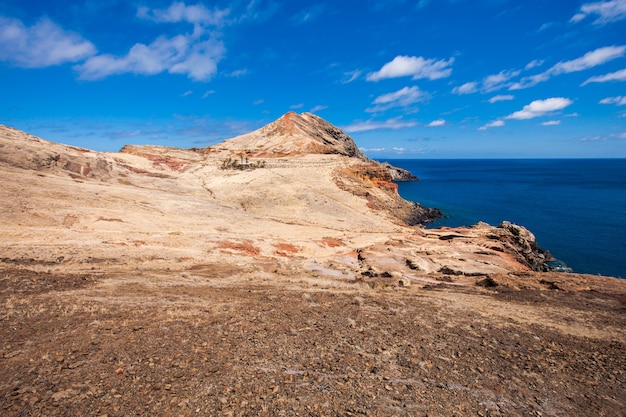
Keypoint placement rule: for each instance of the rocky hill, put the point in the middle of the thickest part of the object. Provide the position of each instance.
(279, 273)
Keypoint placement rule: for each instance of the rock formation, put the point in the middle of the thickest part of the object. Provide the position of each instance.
(299, 181)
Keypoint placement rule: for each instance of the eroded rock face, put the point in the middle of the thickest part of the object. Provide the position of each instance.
(399, 174)
(523, 244)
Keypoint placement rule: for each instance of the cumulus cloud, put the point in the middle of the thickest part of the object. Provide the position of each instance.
(496, 123)
(42, 45)
(178, 55)
(613, 76)
(589, 60)
(467, 88)
(495, 99)
(413, 66)
(179, 12)
(195, 55)
(437, 123)
(619, 100)
(395, 123)
(401, 98)
(606, 11)
(540, 108)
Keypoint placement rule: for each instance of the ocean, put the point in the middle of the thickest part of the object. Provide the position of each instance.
(576, 208)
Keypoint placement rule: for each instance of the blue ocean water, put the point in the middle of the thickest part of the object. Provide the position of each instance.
(576, 208)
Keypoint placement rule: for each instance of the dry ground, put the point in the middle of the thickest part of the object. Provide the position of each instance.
(217, 341)
(154, 283)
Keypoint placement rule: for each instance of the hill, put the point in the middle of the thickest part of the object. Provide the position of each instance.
(279, 273)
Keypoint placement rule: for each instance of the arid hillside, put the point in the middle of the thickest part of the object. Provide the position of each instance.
(279, 273)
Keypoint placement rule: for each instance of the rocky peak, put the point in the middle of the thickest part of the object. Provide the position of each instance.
(297, 134)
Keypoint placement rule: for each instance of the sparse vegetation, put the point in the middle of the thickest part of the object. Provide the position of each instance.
(230, 163)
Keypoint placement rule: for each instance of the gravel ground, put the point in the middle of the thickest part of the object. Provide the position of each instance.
(183, 345)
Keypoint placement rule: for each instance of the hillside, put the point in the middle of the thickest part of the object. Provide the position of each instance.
(279, 273)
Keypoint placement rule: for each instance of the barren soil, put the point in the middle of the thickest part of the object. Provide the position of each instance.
(215, 342)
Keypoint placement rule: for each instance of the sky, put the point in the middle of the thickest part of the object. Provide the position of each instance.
(405, 79)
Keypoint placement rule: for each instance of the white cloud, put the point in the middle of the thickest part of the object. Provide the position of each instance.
(437, 123)
(613, 76)
(540, 108)
(496, 123)
(396, 150)
(608, 137)
(42, 45)
(498, 81)
(317, 108)
(195, 55)
(238, 73)
(489, 83)
(186, 93)
(607, 11)
(534, 63)
(179, 12)
(589, 60)
(208, 93)
(401, 98)
(467, 88)
(395, 123)
(619, 100)
(350, 76)
(551, 123)
(495, 99)
(296, 106)
(178, 55)
(415, 67)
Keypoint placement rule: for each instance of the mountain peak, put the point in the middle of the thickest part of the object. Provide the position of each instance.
(296, 134)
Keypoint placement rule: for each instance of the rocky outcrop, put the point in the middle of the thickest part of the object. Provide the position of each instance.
(368, 179)
(399, 174)
(523, 246)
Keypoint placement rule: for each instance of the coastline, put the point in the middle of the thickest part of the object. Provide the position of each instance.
(581, 232)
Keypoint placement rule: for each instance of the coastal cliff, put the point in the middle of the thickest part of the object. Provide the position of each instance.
(280, 270)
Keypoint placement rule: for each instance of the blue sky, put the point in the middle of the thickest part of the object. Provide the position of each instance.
(406, 79)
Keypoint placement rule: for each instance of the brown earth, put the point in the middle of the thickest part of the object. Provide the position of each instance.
(217, 341)
(161, 281)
